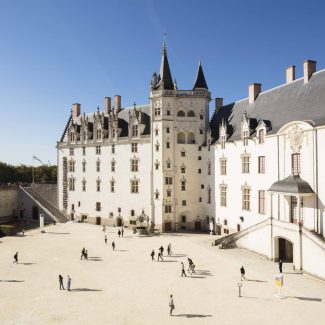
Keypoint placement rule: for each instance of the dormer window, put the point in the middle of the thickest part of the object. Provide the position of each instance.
(261, 135)
(98, 134)
(223, 138)
(134, 130)
(72, 136)
(245, 137)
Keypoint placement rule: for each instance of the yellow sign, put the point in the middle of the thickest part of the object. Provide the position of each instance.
(279, 280)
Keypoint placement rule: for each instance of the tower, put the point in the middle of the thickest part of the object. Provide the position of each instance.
(179, 121)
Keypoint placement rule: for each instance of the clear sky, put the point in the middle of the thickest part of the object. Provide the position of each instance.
(57, 52)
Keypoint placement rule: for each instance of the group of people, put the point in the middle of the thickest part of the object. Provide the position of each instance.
(84, 254)
(161, 252)
(191, 266)
(68, 282)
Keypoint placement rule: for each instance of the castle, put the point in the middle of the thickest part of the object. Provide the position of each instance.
(254, 164)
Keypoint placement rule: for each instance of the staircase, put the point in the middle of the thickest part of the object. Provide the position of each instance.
(46, 200)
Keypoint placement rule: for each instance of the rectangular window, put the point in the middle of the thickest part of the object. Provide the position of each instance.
(98, 185)
(112, 186)
(261, 202)
(98, 166)
(296, 164)
(157, 132)
(168, 180)
(199, 158)
(71, 165)
(71, 184)
(245, 164)
(246, 193)
(223, 166)
(157, 147)
(261, 136)
(84, 186)
(134, 130)
(245, 138)
(168, 208)
(113, 148)
(201, 117)
(202, 186)
(98, 150)
(134, 186)
(167, 130)
(83, 166)
(157, 166)
(199, 171)
(183, 170)
(84, 151)
(261, 164)
(209, 196)
(157, 111)
(98, 207)
(200, 199)
(132, 213)
(134, 165)
(112, 166)
(168, 145)
(183, 203)
(223, 195)
(223, 141)
(71, 151)
(169, 193)
(183, 154)
(183, 186)
(134, 147)
(98, 134)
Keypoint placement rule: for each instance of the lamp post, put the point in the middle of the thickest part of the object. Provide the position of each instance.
(33, 172)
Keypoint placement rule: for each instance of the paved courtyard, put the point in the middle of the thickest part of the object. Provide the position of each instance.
(126, 287)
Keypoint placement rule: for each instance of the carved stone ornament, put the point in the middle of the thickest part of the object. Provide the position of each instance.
(296, 137)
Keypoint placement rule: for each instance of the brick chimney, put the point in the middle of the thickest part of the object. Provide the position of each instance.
(309, 69)
(290, 74)
(253, 90)
(117, 103)
(108, 103)
(218, 103)
(75, 110)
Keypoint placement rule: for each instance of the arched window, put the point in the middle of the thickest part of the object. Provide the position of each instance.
(190, 113)
(190, 137)
(181, 137)
(261, 136)
(180, 113)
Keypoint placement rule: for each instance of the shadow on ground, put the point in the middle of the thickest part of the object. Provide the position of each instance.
(27, 263)
(253, 280)
(12, 280)
(192, 315)
(58, 233)
(306, 298)
(84, 289)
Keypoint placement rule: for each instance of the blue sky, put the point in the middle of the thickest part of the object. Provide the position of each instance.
(57, 52)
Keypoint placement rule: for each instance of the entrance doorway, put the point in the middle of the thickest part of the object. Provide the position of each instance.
(218, 230)
(197, 225)
(35, 212)
(285, 250)
(168, 226)
(119, 222)
(98, 221)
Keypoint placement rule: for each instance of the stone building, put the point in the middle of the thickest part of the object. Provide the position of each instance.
(252, 169)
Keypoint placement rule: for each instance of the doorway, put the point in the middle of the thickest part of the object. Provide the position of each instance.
(168, 226)
(35, 212)
(98, 221)
(119, 222)
(197, 225)
(285, 250)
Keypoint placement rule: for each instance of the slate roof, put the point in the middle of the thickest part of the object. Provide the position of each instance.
(123, 120)
(295, 101)
(291, 184)
(200, 79)
(165, 80)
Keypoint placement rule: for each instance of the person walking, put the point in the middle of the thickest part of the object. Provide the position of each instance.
(68, 282)
(153, 255)
(280, 266)
(171, 305)
(170, 248)
(86, 254)
(113, 245)
(183, 269)
(61, 282)
(119, 233)
(161, 250)
(168, 251)
(159, 257)
(16, 258)
(193, 269)
(122, 232)
(82, 253)
(242, 274)
(190, 262)
(105, 239)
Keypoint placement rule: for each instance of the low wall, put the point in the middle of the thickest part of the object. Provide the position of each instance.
(9, 200)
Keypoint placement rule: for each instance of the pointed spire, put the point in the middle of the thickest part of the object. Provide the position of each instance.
(200, 79)
(165, 77)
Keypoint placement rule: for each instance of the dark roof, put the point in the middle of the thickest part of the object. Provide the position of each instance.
(292, 184)
(200, 79)
(295, 101)
(165, 80)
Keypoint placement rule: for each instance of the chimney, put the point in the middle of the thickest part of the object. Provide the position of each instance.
(309, 69)
(108, 102)
(75, 110)
(290, 74)
(218, 103)
(117, 104)
(253, 90)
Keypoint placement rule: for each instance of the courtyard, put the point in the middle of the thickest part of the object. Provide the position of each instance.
(125, 287)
